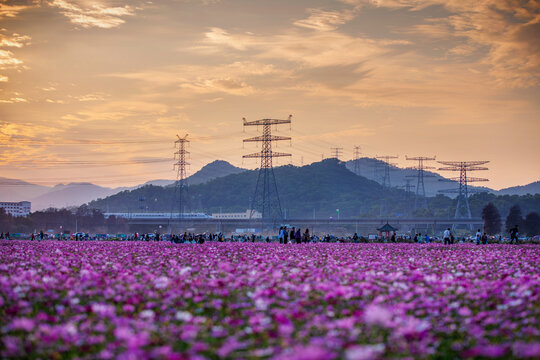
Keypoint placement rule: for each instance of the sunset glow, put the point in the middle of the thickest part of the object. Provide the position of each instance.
(97, 90)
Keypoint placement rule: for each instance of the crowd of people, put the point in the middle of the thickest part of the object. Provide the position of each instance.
(285, 235)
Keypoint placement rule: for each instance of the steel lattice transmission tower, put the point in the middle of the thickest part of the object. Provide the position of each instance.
(408, 189)
(420, 199)
(336, 152)
(386, 177)
(266, 196)
(356, 159)
(463, 210)
(181, 164)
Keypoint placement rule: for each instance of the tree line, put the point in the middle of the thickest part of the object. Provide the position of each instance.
(82, 219)
(528, 225)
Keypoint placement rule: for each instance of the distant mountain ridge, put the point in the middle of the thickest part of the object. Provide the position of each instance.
(532, 188)
(78, 193)
(317, 190)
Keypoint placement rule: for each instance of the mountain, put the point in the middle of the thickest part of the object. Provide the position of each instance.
(373, 169)
(213, 170)
(159, 182)
(76, 194)
(532, 188)
(73, 194)
(315, 190)
(18, 190)
(319, 188)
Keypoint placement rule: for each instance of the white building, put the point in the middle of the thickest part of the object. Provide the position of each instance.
(236, 216)
(16, 208)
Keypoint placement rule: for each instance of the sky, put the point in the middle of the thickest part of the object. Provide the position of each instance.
(96, 91)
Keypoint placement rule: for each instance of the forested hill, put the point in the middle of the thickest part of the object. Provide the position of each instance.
(319, 188)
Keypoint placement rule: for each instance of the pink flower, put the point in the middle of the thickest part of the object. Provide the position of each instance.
(377, 315)
(526, 350)
(465, 311)
(25, 324)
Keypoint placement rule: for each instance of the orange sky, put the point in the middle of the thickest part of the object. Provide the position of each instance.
(97, 90)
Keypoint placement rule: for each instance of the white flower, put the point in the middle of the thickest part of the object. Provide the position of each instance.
(161, 282)
(364, 352)
(147, 314)
(183, 316)
(185, 270)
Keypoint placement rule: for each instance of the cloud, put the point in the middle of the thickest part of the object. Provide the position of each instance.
(13, 100)
(90, 97)
(10, 9)
(327, 48)
(15, 40)
(7, 57)
(8, 60)
(323, 20)
(508, 31)
(232, 79)
(94, 14)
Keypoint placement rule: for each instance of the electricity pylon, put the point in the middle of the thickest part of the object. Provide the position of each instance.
(386, 177)
(420, 200)
(181, 186)
(266, 196)
(356, 160)
(407, 187)
(463, 210)
(336, 152)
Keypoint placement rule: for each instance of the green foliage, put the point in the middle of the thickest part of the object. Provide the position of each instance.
(84, 219)
(514, 218)
(531, 225)
(492, 219)
(319, 188)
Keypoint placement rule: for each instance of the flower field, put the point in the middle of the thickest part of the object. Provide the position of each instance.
(137, 300)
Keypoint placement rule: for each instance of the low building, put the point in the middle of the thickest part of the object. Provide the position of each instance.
(21, 208)
(238, 216)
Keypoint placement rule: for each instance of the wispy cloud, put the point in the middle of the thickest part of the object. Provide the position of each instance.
(93, 14)
(8, 60)
(10, 9)
(14, 40)
(507, 29)
(325, 20)
(326, 48)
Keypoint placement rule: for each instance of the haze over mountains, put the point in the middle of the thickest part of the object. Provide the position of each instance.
(76, 194)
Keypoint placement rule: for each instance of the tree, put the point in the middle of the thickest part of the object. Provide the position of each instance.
(492, 219)
(514, 218)
(531, 225)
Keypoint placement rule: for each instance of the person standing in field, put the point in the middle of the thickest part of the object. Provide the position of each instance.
(478, 237)
(291, 235)
(285, 235)
(514, 232)
(446, 236)
(306, 236)
(484, 238)
(298, 236)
